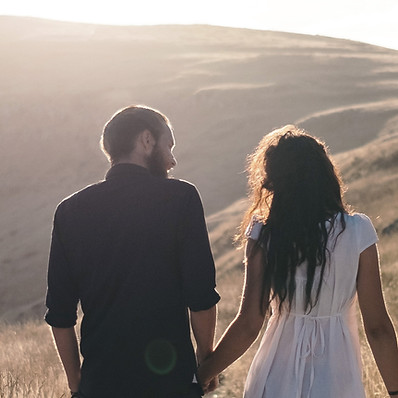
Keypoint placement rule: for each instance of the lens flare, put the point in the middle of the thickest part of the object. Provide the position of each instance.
(160, 356)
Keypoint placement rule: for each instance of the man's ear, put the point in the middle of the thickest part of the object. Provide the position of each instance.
(147, 141)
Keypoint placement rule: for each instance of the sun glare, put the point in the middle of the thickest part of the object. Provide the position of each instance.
(151, 12)
(365, 20)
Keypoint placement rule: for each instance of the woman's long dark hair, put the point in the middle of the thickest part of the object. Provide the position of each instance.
(296, 192)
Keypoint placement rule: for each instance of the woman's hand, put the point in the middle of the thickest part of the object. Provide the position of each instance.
(212, 385)
(207, 382)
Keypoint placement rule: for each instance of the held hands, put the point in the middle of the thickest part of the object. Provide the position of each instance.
(208, 382)
(208, 385)
(206, 377)
(211, 385)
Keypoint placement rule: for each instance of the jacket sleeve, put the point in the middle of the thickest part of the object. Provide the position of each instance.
(195, 257)
(62, 290)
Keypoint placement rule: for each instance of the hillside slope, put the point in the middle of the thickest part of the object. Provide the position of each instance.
(222, 88)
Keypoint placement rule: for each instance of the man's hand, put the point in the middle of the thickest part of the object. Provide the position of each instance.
(207, 384)
(211, 386)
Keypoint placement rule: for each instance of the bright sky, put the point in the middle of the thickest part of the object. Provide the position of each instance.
(370, 21)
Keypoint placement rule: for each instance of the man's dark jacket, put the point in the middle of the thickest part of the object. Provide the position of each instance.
(134, 250)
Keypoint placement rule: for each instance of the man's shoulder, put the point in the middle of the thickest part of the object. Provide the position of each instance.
(179, 187)
(168, 190)
(177, 183)
(179, 191)
(171, 185)
(80, 195)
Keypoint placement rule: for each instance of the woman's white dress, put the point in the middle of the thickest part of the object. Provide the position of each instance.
(316, 355)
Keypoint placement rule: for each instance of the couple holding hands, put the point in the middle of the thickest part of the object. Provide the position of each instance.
(134, 251)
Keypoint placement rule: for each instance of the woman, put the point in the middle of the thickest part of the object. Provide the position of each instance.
(307, 259)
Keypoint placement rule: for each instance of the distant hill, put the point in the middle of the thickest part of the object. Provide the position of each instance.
(222, 88)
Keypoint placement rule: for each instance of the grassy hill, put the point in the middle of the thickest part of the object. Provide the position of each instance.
(223, 88)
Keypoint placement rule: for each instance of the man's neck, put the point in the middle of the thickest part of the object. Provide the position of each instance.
(137, 160)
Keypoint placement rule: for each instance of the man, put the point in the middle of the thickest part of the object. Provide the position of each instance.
(134, 251)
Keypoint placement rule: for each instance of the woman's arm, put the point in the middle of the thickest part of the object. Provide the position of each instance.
(244, 329)
(378, 326)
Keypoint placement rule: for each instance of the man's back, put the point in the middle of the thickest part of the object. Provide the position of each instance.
(134, 250)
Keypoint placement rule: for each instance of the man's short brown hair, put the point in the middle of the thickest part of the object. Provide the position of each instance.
(120, 132)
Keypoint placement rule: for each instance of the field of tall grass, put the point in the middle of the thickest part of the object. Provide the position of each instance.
(29, 366)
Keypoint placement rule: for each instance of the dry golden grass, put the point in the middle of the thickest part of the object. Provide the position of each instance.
(29, 365)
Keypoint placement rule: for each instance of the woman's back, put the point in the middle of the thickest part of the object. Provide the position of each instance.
(316, 353)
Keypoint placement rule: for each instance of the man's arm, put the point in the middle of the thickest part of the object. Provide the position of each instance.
(198, 275)
(66, 343)
(203, 327)
(61, 300)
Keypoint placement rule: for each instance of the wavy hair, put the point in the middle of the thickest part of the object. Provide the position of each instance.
(294, 189)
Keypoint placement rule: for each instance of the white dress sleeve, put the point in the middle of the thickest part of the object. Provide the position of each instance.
(367, 235)
(254, 229)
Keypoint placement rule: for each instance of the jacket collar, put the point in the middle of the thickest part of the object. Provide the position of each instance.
(125, 170)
